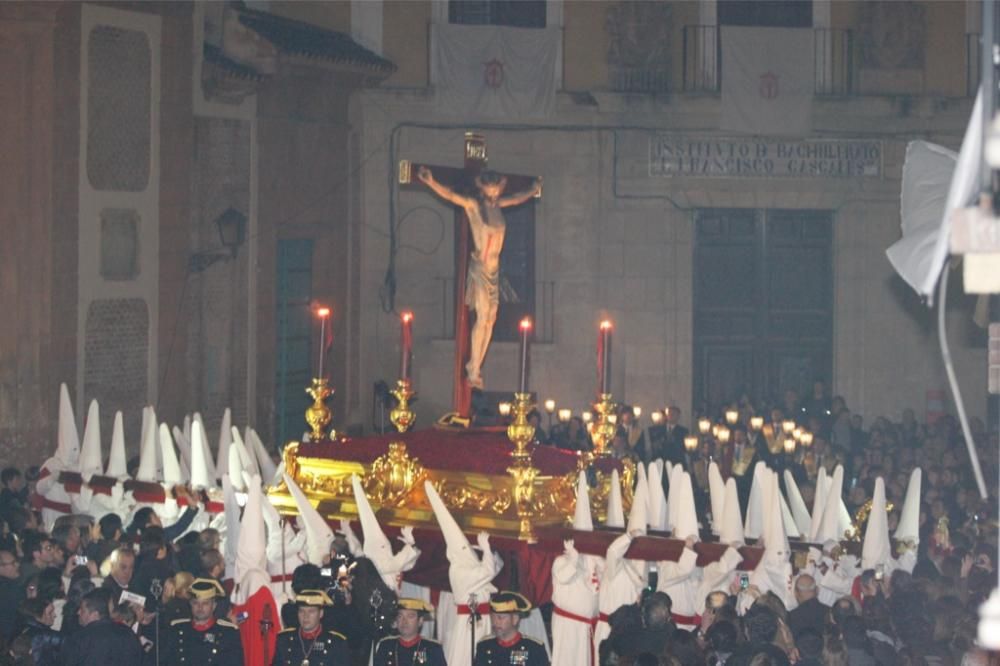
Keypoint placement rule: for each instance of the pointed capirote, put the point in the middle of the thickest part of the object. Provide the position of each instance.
(876, 549)
(68, 438)
(673, 499)
(829, 529)
(171, 467)
(251, 557)
(187, 427)
(117, 462)
(225, 438)
(616, 514)
(209, 459)
(798, 506)
(819, 504)
(200, 475)
(90, 453)
(581, 515)
(375, 540)
(731, 529)
(235, 468)
(775, 539)
(319, 535)
(456, 543)
(247, 460)
(152, 423)
(716, 495)
(655, 499)
(638, 517)
(147, 452)
(908, 528)
(687, 515)
(791, 528)
(753, 527)
(268, 470)
(183, 446)
(231, 536)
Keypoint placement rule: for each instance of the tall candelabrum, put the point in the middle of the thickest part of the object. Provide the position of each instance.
(401, 415)
(603, 430)
(318, 415)
(520, 432)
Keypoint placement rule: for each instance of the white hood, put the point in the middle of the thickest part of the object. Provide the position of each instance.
(731, 529)
(581, 515)
(319, 535)
(716, 495)
(225, 438)
(877, 549)
(457, 545)
(90, 455)
(200, 475)
(616, 514)
(798, 506)
(117, 462)
(908, 528)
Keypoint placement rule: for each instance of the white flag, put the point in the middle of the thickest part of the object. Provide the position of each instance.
(767, 80)
(494, 71)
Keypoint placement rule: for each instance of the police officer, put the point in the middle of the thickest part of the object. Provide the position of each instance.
(203, 639)
(506, 645)
(308, 644)
(408, 647)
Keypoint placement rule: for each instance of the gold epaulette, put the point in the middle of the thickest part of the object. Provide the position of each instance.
(180, 620)
(285, 631)
(387, 638)
(337, 634)
(227, 623)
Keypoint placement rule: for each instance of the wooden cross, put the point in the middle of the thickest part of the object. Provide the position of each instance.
(461, 180)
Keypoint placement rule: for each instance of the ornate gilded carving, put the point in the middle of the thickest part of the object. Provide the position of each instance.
(393, 476)
(464, 498)
(604, 430)
(524, 500)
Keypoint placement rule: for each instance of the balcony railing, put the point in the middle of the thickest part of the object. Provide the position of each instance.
(833, 57)
(702, 59)
(640, 79)
(543, 315)
(833, 61)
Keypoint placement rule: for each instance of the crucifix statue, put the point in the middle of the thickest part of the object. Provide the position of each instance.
(479, 196)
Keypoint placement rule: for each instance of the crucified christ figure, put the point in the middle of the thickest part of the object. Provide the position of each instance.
(482, 286)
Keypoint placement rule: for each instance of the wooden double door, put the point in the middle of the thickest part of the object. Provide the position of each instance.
(763, 304)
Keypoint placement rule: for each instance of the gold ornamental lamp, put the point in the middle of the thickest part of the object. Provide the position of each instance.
(520, 432)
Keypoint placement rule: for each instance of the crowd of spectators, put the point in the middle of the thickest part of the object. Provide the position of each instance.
(61, 586)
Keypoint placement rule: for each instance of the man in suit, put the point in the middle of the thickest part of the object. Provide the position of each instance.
(100, 640)
(810, 613)
(673, 442)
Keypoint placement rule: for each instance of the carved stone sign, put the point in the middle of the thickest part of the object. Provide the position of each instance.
(724, 157)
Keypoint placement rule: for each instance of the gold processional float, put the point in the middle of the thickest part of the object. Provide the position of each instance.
(515, 503)
(514, 499)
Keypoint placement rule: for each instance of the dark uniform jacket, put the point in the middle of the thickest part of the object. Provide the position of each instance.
(328, 649)
(102, 642)
(218, 645)
(390, 651)
(523, 651)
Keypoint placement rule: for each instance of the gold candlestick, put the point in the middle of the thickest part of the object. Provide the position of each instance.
(520, 432)
(604, 427)
(401, 415)
(318, 416)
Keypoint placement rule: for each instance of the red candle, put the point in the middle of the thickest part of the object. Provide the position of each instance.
(604, 355)
(525, 332)
(323, 314)
(406, 346)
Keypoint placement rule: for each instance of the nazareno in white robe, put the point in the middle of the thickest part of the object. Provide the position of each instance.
(621, 585)
(680, 580)
(470, 584)
(575, 582)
